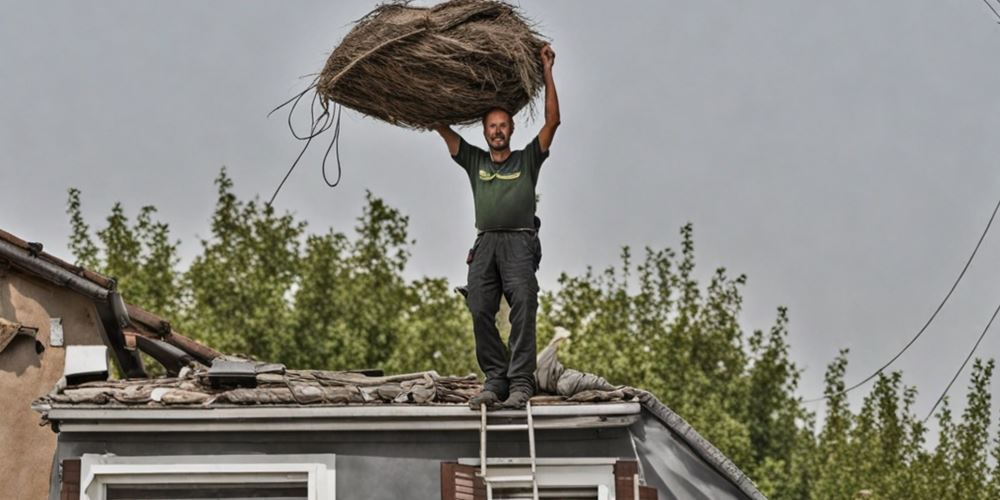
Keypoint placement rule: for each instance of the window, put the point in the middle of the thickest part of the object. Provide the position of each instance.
(562, 478)
(271, 477)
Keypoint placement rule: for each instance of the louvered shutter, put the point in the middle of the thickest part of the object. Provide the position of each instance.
(625, 473)
(459, 482)
(69, 485)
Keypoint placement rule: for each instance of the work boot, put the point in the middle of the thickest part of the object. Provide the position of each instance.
(488, 398)
(516, 401)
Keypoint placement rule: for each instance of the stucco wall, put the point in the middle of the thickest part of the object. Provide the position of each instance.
(369, 465)
(27, 448)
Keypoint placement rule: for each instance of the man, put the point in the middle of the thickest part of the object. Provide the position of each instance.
(505, 256)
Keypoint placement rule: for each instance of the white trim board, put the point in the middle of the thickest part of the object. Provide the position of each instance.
(316, 471)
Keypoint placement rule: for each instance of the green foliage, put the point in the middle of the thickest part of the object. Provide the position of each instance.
(140, 257)
(239, 285)
(262, 285)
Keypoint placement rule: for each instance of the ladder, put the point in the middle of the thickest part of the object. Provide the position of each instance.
(507, 481)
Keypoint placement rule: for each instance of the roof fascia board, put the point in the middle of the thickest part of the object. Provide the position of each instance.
(358, 425)
(292, 412)
(360, 418)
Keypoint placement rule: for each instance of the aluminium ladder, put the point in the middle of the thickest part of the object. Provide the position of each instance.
(507, 481)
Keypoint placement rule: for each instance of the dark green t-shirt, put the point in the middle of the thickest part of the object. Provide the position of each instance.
(504, 193)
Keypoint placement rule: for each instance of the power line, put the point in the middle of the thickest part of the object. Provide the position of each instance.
(960, 368)
(929, 320)
(988, 4)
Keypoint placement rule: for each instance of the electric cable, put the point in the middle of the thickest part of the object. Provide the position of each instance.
(988, 4)
(929, 320)
(960, 368)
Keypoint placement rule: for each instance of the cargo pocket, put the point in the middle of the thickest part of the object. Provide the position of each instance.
(472, 251)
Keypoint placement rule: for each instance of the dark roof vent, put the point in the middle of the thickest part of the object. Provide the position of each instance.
(232, 372)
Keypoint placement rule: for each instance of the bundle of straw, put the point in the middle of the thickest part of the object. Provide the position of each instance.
(420, 67)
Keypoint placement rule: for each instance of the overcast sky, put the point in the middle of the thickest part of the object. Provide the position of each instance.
(843, 155)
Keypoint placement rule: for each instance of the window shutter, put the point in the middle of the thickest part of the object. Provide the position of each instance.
(647, 493)
(459, 482)
(625, 473)
(69, 487)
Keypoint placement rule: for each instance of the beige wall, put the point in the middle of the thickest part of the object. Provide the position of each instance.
(26, 449)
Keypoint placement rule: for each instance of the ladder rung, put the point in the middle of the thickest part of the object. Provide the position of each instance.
(509, 479)
(507, 427)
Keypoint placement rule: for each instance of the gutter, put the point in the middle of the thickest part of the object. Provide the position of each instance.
(52, 272)
(112, 310)
(100, 290)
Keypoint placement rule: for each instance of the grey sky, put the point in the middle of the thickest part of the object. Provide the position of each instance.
(841, 154)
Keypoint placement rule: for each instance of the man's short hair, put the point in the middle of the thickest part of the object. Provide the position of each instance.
(510, 116)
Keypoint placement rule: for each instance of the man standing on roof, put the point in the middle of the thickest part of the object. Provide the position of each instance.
(506, 253)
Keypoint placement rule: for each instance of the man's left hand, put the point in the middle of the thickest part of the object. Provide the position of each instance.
(548, 57)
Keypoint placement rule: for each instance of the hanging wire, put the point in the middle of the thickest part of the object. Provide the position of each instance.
(929, 320)
(317, 126)
(960, 368)
(334, 143)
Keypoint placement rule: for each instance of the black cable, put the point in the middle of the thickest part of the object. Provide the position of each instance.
(988, 4)
(294, 164)
(929, 320)
(967, 358)
(338, 111)
(318, 125)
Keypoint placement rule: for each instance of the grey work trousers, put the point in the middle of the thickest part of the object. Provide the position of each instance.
(505, 262)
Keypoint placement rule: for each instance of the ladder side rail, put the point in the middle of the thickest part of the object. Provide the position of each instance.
(482, 448)
(531, 450)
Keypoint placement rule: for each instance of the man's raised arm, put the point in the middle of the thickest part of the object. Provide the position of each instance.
(451, 138)
(548, 131)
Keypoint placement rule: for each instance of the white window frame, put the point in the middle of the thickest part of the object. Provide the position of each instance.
(598, 473)
(97, 472)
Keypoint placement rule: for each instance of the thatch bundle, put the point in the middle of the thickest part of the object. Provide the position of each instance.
(423, 67)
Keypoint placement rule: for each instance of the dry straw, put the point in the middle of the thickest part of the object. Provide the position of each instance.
(421, 67)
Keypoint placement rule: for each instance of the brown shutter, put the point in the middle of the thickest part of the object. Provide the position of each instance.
(648, 493)
(459, 482)
(69, 487)
(625, 472)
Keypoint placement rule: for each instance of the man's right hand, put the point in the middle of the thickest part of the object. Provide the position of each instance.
(451, 138)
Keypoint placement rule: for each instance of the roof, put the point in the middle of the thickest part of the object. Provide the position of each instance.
(124, 323)
(314, 399)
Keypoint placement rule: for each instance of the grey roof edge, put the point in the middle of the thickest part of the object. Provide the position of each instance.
(706, 450)
(330, 418)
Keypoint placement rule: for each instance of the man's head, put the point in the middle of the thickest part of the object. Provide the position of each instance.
(498, 126)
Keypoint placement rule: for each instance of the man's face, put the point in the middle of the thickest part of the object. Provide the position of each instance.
(497, 128)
